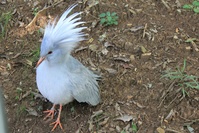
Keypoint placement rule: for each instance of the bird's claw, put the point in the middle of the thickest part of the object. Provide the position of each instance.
(57, 122)
(50, 113)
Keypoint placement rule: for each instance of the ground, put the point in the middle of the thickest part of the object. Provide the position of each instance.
(131, 57)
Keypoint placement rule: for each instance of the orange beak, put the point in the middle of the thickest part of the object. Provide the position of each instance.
(40, 61)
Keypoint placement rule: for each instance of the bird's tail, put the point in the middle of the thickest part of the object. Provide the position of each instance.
(65, 33)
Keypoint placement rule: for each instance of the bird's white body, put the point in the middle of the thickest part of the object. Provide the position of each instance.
(60, 77)
(53, 83)
(65, 81)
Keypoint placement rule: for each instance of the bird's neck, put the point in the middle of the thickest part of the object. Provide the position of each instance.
(65, 58)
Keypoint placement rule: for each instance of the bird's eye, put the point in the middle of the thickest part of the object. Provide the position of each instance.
(50, 52)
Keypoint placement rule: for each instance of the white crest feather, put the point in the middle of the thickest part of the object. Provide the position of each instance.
(64, 33)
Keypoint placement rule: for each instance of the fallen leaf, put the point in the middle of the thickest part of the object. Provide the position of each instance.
(111, 70)
(145, 55)
(118, 129)
(170, 115)
(132, 11)
(107, 44)
(28, 62)
(90, 127)
(132, 57)
(97, 113)
(37, 95)
(94, 23)
(3, 2)
(21, 24)
(129, 97)
(92, 3)
(122, 59)
(32, 112)
(9, 66)
(125, 118)
(160, 130)
(117, 108)
(139, 105)
(134, 29)
(191, 39)
(104, 51)
(104, 121)
(143, 49)
(93, 47)
(102, 37)
(25, 95)
(191, 130)
(90, 40)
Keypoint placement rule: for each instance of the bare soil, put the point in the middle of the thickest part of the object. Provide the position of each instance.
(131, 57)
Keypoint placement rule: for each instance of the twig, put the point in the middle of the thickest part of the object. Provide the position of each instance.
(173, 99)
(80, 49)
(172, 130)
(189, 122)
(40, 13)
(166, 5)
(144, 32)
(57, 2)
(166, 93)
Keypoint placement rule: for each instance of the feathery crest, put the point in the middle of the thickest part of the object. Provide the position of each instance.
(64, 34)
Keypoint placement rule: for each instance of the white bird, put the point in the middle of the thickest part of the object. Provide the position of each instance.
(60, 77)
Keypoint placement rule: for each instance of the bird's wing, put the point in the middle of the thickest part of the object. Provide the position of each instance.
(85, 84)
(64, 34)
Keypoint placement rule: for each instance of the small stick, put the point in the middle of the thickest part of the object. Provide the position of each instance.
(172, 130)
(166, 93)
(166, 5)
(144, 32)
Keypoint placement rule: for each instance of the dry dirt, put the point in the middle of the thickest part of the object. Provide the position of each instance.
(131, 57)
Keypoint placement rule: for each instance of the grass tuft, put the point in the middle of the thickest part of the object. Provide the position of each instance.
(183, 80)
(4, 20)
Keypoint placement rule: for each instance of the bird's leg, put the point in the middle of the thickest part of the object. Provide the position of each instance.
(50, 112)
(57, 122)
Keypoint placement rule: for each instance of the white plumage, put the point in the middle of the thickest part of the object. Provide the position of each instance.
(60, 77)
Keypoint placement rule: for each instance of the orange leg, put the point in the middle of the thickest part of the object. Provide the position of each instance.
(50, 112)
(57, 122)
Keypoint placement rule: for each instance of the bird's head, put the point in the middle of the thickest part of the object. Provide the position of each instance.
(61, 38)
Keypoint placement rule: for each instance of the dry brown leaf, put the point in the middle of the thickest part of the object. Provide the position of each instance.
(139, 105)
(170, 115)
(111, 70)
(28, 62)
(125, 118)
(32, 111)
(122, 59)
(104, 121)
(143, 49)
(90, 40)
(137, 28)
(104, 51)
(93, 47)
(160, 130)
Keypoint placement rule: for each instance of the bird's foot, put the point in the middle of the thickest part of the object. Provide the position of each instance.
(50, 114)
(57, 122)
